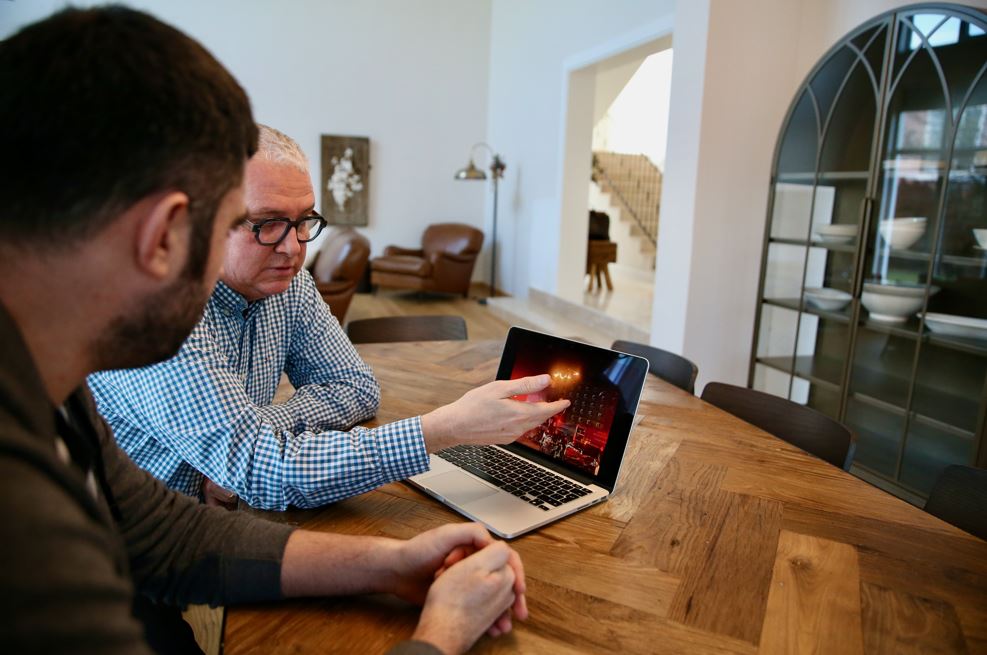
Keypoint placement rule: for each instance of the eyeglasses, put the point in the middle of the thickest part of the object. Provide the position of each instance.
(272, 231)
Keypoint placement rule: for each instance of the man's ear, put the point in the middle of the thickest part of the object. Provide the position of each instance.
(163, 234)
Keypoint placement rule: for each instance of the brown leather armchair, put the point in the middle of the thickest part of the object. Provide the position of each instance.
(444, 263)
(339, 267)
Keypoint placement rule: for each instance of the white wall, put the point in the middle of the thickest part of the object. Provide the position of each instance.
(412, 76)
(533, 46)
(426, 79)
(637, 119)
(610, 81)
(737, 67)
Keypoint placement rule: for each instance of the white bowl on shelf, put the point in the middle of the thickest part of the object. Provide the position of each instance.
(950, 325)
(827, 299)
(893, 303)
(899, 289)
(902, 233)
(981, 237)
(836, 233)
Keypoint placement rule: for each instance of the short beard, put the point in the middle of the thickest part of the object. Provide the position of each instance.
(155, 330)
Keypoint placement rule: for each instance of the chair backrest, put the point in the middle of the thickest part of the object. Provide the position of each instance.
(452, 238)
(407, 328)
(960, 497)
(668, 366)
(343, 256)
(801, 426)
(599, 225)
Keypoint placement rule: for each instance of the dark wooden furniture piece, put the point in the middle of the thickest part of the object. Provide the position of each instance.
(407, 328)
(443, 264)
(667, 365)
(720, 538)
(339, 267)
(960, 498)
(601, 251)
(886, 130)
(599, 255)
(801, 426)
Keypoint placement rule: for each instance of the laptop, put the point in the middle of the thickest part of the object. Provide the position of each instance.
(566, 464)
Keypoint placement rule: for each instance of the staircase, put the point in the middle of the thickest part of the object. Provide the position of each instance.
(634, 185)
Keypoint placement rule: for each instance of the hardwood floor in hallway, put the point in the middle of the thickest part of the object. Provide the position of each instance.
(481, 323)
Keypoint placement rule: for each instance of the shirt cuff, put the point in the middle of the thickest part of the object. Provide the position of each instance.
(402, 449)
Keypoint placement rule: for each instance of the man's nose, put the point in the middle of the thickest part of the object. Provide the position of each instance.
(289, 245)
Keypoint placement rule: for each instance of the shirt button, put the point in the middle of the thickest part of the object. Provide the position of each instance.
(227, 312)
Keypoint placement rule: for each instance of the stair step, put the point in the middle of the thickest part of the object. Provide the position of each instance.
(525, 313)
(549, 313)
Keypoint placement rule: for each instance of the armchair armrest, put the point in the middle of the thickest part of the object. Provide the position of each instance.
(334, 286)
(391, 251)
(463, 258)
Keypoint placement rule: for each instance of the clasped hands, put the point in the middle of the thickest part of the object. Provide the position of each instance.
(468, 583)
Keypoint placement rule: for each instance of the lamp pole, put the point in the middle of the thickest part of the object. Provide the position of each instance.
(493, 245)
(471, 172)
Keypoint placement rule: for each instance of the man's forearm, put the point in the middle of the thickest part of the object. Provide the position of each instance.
(336, 404)
(324, 564)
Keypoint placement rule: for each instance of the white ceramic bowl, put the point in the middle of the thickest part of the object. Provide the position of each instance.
(897, 289)
(837, 233)
(981, 237)
(957, 326)
(893, 303)
(902, 233)
(827, 299)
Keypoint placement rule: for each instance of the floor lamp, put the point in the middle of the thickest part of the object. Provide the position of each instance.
(471, 172)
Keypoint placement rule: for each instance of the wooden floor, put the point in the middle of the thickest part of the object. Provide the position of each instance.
(481, 323)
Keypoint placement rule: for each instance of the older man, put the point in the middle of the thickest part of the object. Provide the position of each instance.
(206, 416)
(116, 214)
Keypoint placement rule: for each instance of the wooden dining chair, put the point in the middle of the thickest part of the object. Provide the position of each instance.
(960, 497)
(407, 328)
(663, 364)
(801, 426)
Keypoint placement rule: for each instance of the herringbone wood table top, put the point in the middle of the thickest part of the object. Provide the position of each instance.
(719, 539)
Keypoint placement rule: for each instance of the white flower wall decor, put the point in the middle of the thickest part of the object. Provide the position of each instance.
(345, 167)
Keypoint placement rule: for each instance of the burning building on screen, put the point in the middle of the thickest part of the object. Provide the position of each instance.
(578, 435)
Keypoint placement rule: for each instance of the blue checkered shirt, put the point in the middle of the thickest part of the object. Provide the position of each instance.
(208, 410)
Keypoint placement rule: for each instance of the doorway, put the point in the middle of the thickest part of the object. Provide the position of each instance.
(616, 128)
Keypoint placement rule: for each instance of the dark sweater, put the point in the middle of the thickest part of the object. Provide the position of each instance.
(71, 559)
(74, 553)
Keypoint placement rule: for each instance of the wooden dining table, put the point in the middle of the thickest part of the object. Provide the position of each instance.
(719, 538)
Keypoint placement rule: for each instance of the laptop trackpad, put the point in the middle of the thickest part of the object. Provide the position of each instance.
(459, 487)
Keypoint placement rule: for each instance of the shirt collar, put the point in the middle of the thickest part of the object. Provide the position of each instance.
(227, 298)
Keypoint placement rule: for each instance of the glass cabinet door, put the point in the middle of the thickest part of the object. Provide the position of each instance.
(916, 392)
(814, 236)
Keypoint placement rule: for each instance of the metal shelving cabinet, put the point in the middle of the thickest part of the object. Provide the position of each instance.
(890, 124)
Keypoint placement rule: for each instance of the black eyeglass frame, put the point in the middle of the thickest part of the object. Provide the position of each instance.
(256, 227)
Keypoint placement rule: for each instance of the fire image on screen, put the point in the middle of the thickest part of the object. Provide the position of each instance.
(578, 435)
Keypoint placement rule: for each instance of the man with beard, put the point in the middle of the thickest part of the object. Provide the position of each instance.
(205, 419)
(126, 143)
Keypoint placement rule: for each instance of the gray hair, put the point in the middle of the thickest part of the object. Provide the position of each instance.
(276, 146)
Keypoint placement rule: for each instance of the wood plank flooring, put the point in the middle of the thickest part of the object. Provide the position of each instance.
(481, 323)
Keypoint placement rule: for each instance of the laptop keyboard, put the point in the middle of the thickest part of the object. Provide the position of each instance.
(532, 484)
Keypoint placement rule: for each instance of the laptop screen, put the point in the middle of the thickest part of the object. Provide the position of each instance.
(603, 387)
